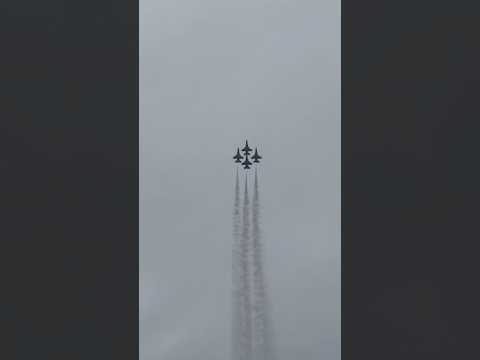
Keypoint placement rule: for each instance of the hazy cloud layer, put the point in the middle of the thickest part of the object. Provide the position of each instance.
(213, 73)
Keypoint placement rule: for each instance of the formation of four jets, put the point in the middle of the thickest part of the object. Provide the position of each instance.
(246, 151)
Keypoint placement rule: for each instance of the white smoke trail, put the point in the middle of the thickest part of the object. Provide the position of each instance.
(245, 295)
(236, 276)
(262, 325)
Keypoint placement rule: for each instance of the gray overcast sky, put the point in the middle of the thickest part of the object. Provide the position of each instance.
(213, 73)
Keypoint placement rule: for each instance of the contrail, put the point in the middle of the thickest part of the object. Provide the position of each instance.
(262, 326)
(236, 276)
(241, 294)
(245, 295)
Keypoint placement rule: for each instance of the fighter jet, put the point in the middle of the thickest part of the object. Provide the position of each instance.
(246, 163)
(238, 156)
(247, 150)
(256, 158)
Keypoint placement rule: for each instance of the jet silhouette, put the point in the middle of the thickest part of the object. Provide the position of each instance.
(246, 148)
(238, 156)
(246, 163)
(246, 151)
(256, 158)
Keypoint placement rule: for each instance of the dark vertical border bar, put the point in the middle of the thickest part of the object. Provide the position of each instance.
(410, 183)
(69, 161)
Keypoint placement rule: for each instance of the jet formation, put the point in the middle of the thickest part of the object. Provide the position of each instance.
(246, 153)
